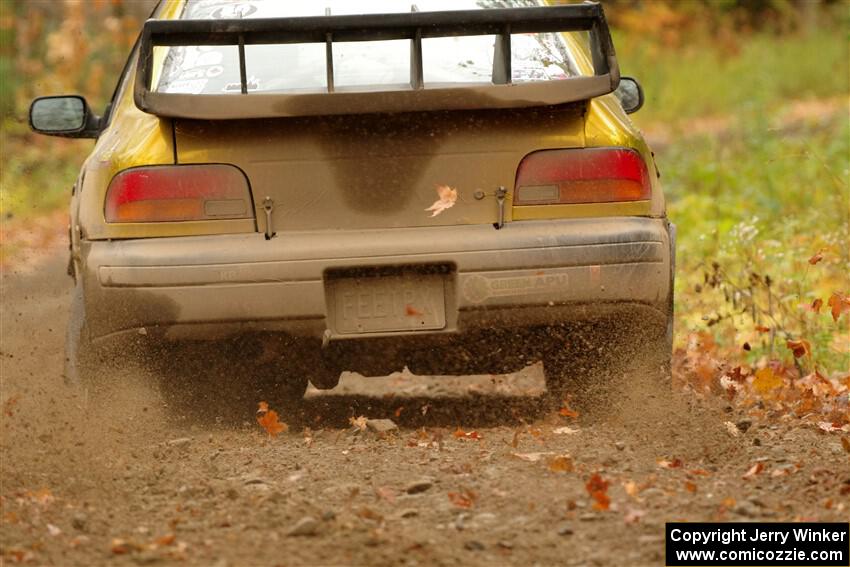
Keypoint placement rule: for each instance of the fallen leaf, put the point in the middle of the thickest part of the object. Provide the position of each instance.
(167, 539)
(42, 496)
(816, 258)
(461, 434)
(674, 464)
(732, 429)
(464, 499)
(754, 470)
(830, 427)
(631, 489)
(728, 502)
(385, 493)
(398, 411)
(699, 472)
(358, 422)
(9, 405)
(530, 457)
(369, 514)
(446, 200)
(597, 487)
(690, 486)
(565, 430)
(515, 440)
(800, 348)
(561, 463)
(566, 411)
(121, 546)
(762, 329)
(845, 442)
(766, 380)
(633, 516)
(268, 420)
(838, 303)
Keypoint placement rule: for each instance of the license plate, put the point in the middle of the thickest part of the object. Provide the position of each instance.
(388, 304)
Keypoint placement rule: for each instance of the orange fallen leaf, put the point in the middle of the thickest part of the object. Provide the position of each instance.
(167, 539)
(800, 347)
(566, 411)
(631, 489)
(561, 463)
(515, 440)
(369, 514)
(754, 470)
(358, 422)
(465, 499)
(699, 472)
(762, 329)
(838, 303)
(766, 380)
(690, 486)
(461, 434)
(728, 502)
(446, 200)
(269, 420)
(673, 464)
(845, 442)
(597, 487)
(121, 546)
(816, 258)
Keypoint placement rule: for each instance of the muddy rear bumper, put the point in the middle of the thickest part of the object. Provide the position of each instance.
(528, 273)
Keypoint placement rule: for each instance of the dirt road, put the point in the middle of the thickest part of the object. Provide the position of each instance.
(152, 475)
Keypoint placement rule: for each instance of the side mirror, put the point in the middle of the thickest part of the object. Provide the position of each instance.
(65, 115)
(630, 94)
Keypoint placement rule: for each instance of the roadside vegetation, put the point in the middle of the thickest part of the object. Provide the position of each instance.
(746, 106)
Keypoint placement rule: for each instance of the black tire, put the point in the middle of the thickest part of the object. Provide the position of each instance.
(80, 355)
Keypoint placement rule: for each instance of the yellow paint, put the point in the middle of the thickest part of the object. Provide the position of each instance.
(583, 210)
(171, 10)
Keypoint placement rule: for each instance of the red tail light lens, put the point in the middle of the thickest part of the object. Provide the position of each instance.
(168, 193)
(586, 175)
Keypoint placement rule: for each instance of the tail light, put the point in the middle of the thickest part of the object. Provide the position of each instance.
(168, 193)
(586, 175)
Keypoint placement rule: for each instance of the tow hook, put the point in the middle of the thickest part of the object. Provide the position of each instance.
(501, 193)
(268, 207)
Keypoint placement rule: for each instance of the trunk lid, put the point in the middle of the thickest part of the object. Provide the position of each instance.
(349, 172)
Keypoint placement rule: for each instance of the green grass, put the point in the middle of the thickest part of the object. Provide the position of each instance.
(702, 79)
(758, 202)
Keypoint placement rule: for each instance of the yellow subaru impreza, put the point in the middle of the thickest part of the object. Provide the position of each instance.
(454, 187)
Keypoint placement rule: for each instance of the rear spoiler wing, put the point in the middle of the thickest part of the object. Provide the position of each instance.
(414, 26)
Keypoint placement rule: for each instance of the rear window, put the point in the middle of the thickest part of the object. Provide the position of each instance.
(302, 67)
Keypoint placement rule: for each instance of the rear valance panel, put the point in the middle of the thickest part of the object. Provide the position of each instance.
(500, 91)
